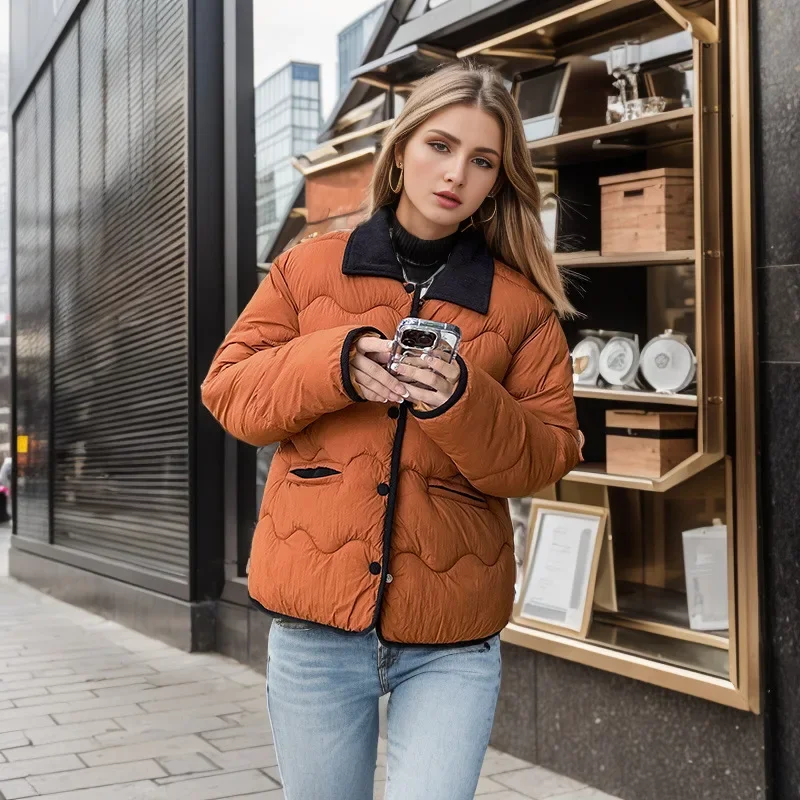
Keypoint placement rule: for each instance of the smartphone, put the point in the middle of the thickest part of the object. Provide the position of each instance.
(415, 338)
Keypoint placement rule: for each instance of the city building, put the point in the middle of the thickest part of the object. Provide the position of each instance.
(5, 310)
(130, 261)
(352, 41)
(288, 116)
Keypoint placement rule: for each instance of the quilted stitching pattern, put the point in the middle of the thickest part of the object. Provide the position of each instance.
(277, 377)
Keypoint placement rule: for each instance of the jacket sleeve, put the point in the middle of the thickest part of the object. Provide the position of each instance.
(267, 381)
(515, 438)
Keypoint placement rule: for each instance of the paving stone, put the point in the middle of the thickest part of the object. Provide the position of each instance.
(13, 790)
(213, 787)
(101, 685)
(49, 750)
(63, 733)
(12, 739)
(254, 758)
(106, 712)
(39, 766)
(274, 773)
(169, 723)
(24, 722)
(488, 786)
(249, 718)
(177, 677)
(156, 748)
(138, 790)
(248, 678)
(496, 762)
(257, 733)
(586, 794)
(537, 782)
(233, 743)
(44, 700)
(52, 673)
(195, 701)
(186, 764)
(92, 777)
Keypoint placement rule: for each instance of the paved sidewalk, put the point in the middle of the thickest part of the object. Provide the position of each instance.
(90, 710)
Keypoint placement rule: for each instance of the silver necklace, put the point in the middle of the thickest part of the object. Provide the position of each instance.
(424, 283)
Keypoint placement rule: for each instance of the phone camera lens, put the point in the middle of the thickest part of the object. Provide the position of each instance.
(418, 339)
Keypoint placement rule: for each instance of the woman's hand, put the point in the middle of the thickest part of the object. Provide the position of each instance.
(368, 374)
(440, 376)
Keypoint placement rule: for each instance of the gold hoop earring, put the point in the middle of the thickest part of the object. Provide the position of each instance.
(396, 190)
(489, 218)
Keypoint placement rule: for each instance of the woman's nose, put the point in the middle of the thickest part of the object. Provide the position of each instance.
(456, 171)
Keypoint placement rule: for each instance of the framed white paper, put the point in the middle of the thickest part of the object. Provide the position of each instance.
(705, 559)
(561, 566)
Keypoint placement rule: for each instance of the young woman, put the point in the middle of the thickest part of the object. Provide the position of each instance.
(384, 548)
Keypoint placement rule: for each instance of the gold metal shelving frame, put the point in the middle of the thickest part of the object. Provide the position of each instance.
(712, 113)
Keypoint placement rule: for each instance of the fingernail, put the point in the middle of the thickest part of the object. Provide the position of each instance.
(385, 399)
(406, 393)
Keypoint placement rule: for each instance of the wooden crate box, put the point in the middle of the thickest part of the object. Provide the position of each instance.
(649, 444)
(647, 212)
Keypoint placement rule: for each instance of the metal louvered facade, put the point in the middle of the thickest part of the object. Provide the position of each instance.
(132, 242)
(104, 397)
(32, 257)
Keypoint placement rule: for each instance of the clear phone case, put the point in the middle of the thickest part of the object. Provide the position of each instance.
(415, 338)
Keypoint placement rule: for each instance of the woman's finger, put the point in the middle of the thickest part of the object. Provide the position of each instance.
(379, 357)
(368, 383)
(430, 399)
(378, 373)
(450, 370)
(372, 344)
(424, 376)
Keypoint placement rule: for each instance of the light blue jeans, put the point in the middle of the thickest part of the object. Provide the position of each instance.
(322, 694)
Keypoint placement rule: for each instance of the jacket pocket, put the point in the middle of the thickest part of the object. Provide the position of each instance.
(315, 476)
(460, 495)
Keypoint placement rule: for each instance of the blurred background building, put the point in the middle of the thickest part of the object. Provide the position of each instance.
(352, 41)
(288, 116)
(5, 259)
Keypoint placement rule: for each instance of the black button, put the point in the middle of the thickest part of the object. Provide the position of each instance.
(383, 489)
(375, 568)
(394, 412)
(409, 287)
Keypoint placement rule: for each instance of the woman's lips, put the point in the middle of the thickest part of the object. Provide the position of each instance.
(447, 201)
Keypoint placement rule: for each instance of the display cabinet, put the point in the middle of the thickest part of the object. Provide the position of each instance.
(677, 542)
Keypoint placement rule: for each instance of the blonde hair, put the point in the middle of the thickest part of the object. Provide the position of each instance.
(514, 234)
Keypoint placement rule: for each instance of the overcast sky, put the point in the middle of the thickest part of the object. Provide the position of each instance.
(4, 25)
(303, 30)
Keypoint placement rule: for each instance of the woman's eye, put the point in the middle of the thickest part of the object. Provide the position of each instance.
(440, 147)
(482, 162)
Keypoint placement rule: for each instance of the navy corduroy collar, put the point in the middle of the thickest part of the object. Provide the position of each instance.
(466, 281)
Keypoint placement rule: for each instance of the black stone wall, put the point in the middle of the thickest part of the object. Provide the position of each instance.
(777, 187)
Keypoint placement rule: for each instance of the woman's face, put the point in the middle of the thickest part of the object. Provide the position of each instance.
(450, 164)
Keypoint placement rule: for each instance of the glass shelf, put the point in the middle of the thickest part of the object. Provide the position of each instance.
(592, 258)
(670, 127)
(596, 473)
(634, 396)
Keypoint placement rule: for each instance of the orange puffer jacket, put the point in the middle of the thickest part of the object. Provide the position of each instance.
(384, 516)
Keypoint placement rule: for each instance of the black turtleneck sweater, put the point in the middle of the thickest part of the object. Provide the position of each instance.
(420, 257)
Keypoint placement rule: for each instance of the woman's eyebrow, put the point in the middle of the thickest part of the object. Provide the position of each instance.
(456, 140)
